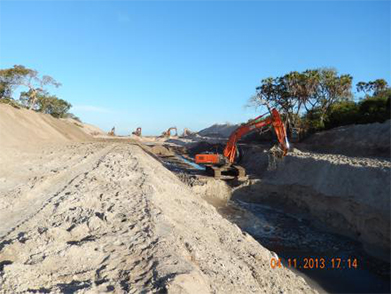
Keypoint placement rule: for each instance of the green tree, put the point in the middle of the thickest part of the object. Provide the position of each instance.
(297, 92)
(53, 106)
(36, 85)
(10, 79)
(375, 87)
(332, 89)
(343, 113)
(46, 103)
(374, 109)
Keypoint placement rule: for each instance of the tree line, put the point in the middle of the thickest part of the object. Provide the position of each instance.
(318, 99)
(35, 95)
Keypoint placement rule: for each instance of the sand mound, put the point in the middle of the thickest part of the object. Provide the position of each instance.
(87, 128)
(161, 150)
(113, 219)
(24, 128)
(218, 130)
(356, 140)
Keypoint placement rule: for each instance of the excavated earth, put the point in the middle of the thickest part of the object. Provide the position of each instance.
(351, 195)
(99, 217)
(81, 215)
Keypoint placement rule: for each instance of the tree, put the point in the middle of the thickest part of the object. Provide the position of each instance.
(298, 91)
(376, 87)
(332, 88)
(11, 78)
(275, 93)
(54, 106)
(36, 85)
(46, 103)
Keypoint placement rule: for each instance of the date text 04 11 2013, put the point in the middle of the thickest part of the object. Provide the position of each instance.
(317, 263)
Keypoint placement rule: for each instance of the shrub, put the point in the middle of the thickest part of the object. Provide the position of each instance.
(342, 113)
(72, 116)
(312, 121)
(11, 102)
(375, 109)
(53, 106)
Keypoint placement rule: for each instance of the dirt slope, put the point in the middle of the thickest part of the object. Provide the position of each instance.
(350, 194)
(218, 130)
(353, 140)
(87, 128)
(22, 128)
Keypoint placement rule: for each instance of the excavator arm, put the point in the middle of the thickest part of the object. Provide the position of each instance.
(274, 119)
(230, 151)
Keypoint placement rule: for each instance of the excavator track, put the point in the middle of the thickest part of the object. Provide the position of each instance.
(227, 172)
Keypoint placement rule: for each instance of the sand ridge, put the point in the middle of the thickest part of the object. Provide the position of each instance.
(122, 222)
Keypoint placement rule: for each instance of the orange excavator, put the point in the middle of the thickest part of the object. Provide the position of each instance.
(137, 132)
(167, 133)
(231, 155)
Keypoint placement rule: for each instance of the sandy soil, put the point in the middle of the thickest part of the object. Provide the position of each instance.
(97, 217)
(349, 194)
(353, 140)
(86, 215)
(23, 129)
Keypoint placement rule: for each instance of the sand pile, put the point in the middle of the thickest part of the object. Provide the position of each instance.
(87, 128)
(112, 218)
(218, 130)
(22, 128)
(355, 140)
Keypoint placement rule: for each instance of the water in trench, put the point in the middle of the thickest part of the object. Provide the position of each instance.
(329, 262)
(191, 163)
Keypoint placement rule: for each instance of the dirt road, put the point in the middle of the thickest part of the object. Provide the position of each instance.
(97, 217)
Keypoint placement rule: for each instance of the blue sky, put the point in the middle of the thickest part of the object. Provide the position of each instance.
(187, 64)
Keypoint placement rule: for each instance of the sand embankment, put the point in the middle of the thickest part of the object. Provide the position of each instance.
(116, 219)
(353, 140)
(349, 194)
(22, 128)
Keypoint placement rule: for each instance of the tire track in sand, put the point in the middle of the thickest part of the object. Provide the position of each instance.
(38, 197)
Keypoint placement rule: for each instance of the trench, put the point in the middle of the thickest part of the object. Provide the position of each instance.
(301, 242)
(293, 236)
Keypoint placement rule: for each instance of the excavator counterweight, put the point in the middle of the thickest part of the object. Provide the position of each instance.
(209, 159)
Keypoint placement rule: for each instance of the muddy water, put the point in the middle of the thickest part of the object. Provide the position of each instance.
(306, 249)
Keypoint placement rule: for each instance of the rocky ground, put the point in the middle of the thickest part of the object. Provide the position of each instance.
(107, 216)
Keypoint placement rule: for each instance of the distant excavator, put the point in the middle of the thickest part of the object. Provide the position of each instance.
(112, 132)
(167, 134)
(227, 162)
(137, 132)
